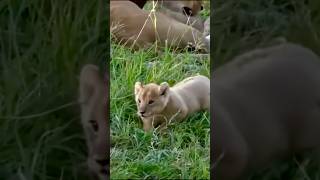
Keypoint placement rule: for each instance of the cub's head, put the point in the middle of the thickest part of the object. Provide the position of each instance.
(187, 7)
(151, 99)
(94, 106)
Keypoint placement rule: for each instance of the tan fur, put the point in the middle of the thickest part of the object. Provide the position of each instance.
(265, 108)
(93, 98)
(171, 103)
(180, 6)
(177, 10)
(187, 7)
(135, 29)
(194, 21)
(184, 11)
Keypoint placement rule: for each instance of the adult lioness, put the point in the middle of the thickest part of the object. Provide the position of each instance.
(94, 107)
(160, 104)
(193, 21)
(187, 7)
(141, 29)
(265, 107)
(183, 11)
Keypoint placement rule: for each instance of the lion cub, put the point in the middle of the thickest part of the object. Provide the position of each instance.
(158, 105)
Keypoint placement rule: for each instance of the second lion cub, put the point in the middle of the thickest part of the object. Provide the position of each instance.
(160, 104)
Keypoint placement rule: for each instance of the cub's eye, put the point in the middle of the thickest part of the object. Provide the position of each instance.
(150, 102)
(139, 101)
(201, 7)
(94, 125)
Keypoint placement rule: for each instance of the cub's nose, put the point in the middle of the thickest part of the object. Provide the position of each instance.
(142, 112)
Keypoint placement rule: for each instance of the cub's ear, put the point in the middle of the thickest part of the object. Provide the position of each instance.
(163, 88)
(90, 82)
(137, 87)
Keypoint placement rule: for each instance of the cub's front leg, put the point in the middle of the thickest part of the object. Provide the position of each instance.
(147, 124)
(153, 122)
(164, 122)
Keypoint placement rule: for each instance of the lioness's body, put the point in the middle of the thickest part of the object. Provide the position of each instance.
(184, 7)
(183, 11)
(187, 7)
(193, 21)
(137, 30)
(266, 107)
(176, 103)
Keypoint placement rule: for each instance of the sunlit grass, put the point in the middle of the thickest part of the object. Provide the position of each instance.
(183, 151)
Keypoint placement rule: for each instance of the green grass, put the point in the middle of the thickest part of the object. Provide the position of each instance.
(43, 45)
(241, 25)
(182, 152)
